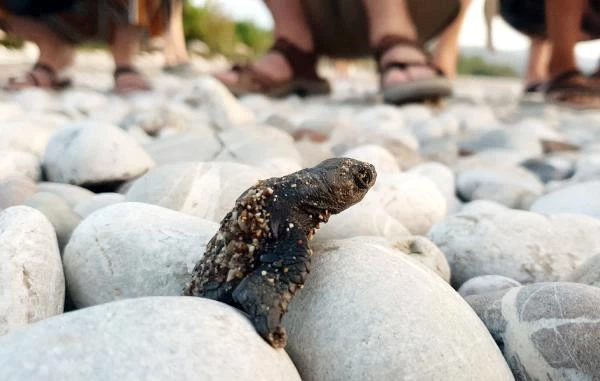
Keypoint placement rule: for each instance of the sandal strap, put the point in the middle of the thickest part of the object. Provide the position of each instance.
(391, 41)
(49, 70)
(120, 70)
(559, 82)
(302, 63)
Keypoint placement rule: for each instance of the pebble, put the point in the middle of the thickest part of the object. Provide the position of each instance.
(153, 339)
(94, 153)
(197, 145)
(414, 200)
(206, 190)
(97, 202)
(587, 273)
(19, 163)
(367, 218)
(72, 194)
(382, 310)
(484, 284)
(487, 238)
(58, 212)
(32, 284)
(513, 187)
(130, 250)
(15, 189)
(547, 331)
(579, 198)
(381, 158)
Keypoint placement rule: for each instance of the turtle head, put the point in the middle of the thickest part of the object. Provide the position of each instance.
(335, 184)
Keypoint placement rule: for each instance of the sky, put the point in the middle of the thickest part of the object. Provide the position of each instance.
(472, 34)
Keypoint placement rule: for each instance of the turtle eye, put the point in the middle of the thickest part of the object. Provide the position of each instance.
(362, 179)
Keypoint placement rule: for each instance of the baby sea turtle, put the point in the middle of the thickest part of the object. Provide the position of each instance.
(260, 256)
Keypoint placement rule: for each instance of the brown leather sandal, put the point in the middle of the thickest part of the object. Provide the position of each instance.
(121, 70)
(305, 80)
(564, 91)
(417, 90)
(31, 79)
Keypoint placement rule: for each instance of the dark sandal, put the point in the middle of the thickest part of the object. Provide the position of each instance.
(121, 70)
(55, 83)
(561, 91)
(305, 80)
(418, 90)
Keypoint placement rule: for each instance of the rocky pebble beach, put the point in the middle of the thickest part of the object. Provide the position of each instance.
(476, 255)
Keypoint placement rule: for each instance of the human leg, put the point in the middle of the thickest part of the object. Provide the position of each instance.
(175, 49)
(445, 54)
(55, 53)
(125, 44)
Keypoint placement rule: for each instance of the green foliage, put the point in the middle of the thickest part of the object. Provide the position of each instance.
(208, 24)
(11, 42)
(220, 33)
(478, 66)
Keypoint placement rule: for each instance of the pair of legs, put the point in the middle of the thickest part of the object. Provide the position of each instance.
(175, 49)
(386, 17)
(58, 54)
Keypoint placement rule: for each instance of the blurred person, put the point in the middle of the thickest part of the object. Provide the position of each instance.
(177, 60)
(56, 27)
(556, 26)
(393, 31)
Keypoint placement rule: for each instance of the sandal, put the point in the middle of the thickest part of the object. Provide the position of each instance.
(563, 91)
(31, 79)
(124, 70)
(417, 90)
(305, 80)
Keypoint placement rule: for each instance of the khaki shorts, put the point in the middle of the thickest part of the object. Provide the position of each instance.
(341, 29)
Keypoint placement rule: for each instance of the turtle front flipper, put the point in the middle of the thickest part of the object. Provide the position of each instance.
(266, 293)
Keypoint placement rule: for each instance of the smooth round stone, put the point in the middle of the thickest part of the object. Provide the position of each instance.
(381, 158)
(522, 141)
(549, 168)
(385, 122)
(442, 150)
(280, 166)
(441, 175)
(547, 331)
(72, 194)
(32, 284)
(212, 97)
(360, 296)
(574, 199)
(14, 190)
(313, 153)
(414, 200)
(486, 283)
(10, 111)
(130, 250)
(80, 102)
(587, 273)
(472, 118)
(26, 135)
(255, 144)
(587, 168)
(435, 128)
(206, 190)
(58, 212)
(94, 153)
(419, 250)
(97, 202)
(413, 113)
(19, 163)
(512, 187)
(197, 145)
(495, 158)
(152, 339)
(487, 238)
(367, 218)
(154, 118)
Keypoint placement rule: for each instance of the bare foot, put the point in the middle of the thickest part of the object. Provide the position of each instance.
(273, 65)
(407, 54)
(128, 80)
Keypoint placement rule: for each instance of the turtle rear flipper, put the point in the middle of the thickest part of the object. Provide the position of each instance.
(266, 293)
